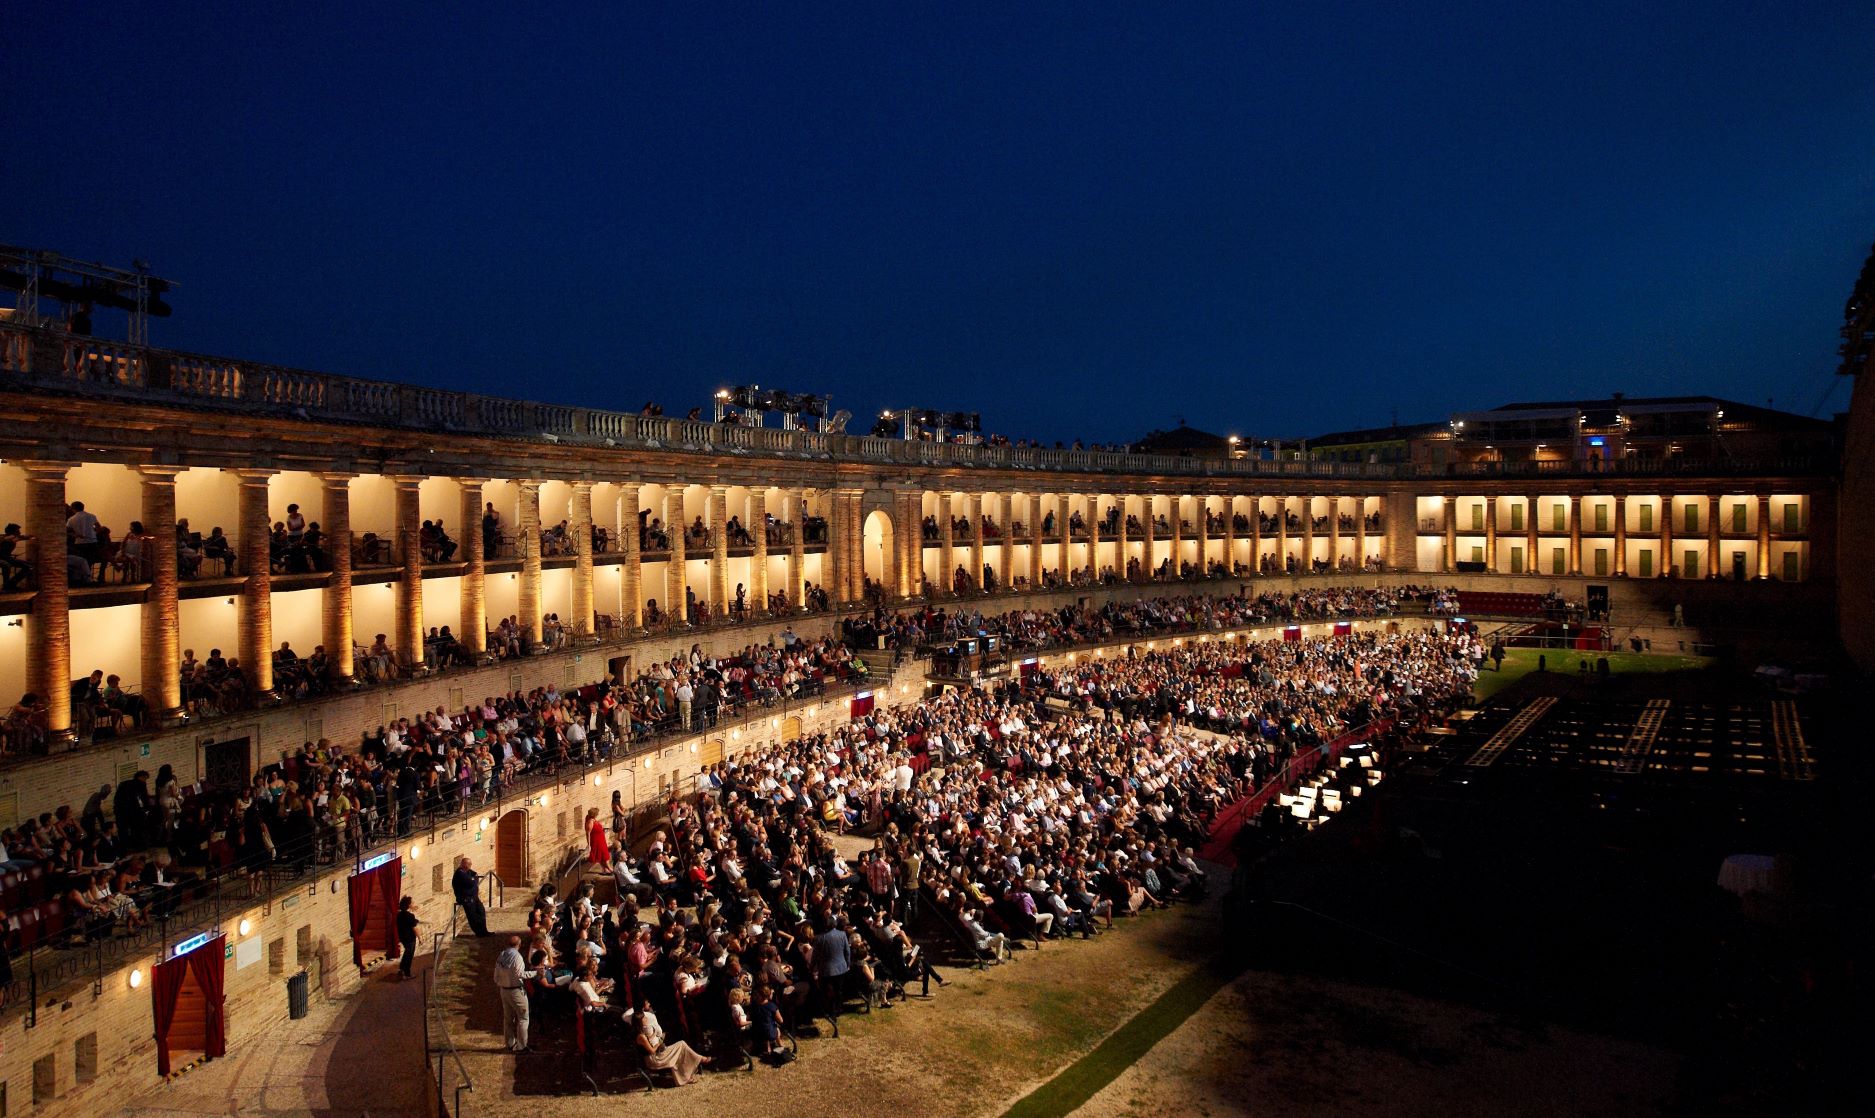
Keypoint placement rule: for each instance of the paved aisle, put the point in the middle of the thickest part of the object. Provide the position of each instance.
(345, 1059)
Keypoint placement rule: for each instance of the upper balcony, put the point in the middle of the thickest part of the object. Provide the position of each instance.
(52, 360)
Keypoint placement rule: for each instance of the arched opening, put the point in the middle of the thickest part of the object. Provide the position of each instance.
(790, 729)
(876, 551)
(712, 753)
(511, 847)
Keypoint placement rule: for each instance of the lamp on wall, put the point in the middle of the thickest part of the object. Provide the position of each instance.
(136, 977)
(245, 926)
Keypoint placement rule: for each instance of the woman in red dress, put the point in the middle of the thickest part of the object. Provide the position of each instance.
(600, 853)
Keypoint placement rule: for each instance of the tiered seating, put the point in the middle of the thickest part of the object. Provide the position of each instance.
(1500, 603)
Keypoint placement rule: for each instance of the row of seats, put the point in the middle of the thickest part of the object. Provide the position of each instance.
(1500, 603)
(25, 887)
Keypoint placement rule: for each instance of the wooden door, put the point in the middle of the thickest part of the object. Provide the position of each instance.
(511, 848)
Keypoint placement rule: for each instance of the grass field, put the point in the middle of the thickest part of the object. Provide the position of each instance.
(1522, 661)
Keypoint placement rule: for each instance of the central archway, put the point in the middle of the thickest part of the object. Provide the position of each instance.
(877, 553)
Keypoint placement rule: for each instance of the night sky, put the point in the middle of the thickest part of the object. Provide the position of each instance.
(1083, 220)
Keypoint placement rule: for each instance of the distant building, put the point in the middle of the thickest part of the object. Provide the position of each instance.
(1617, 429)
(1373, 444)
(1186, 442)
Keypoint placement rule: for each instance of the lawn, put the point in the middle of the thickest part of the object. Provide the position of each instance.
(1522, 661)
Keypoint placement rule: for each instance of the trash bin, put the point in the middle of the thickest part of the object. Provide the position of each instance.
(296, 996)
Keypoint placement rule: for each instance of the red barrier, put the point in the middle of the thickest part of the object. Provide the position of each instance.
(1224, 829)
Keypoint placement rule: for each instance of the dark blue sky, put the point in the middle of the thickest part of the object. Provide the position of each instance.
(1079, 220)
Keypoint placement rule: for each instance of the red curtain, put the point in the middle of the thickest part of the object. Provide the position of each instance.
(360, 886)
(390, 890)
(165, 986)
(207, 961)
(862, 707)
(383, 886)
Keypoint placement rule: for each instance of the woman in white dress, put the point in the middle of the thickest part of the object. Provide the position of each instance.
(676, 1057)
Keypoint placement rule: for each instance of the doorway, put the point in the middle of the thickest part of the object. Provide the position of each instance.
(877, 553)
(225, 764)
(511, 847)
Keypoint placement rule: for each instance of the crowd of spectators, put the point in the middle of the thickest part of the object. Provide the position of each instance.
(1029, 629)
(1002, 817)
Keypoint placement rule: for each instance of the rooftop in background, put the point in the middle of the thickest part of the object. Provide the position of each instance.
(1186, 441)
(1608, 410)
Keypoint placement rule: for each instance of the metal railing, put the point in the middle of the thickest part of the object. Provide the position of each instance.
(51, 358)
(446, 1052)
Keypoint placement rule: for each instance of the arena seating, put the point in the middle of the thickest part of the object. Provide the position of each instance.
(1499, 603)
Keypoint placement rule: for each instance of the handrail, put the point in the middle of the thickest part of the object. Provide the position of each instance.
(464, 1081)
(52, 358)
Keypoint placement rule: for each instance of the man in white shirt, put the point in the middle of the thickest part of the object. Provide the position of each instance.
(685, 696)
(511, 976)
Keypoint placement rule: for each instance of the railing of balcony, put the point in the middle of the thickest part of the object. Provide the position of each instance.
(50, 358)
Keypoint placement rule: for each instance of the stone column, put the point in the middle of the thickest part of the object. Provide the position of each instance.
(49, 639)
(758, 563)
(1621, 536)
(336, 630)
(1307, 562)
(719, 551)
(910, 544)
(1035, 541)
(580, 525)
(1712, 534)
(527, 536)
(1360, 533)
(974, 503)
(1490, 534)
(1174, 521)
(472, 623)
(256, 627)
(632, 579)
(1666, 533)
(1202, 522)
(1119, 538)
(947, 547)
(1575, 533)
(797, 553)
(1006, 543)
(1764, 535)
(1334, 533)
(833, 560)
(1531, 511)
(1256, 535)
(675, 577)
(1230, 534)
(162, 630)
(409, 623)
(1149, 537)
(856, 547)
(1065, 537)
(1451, 533)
